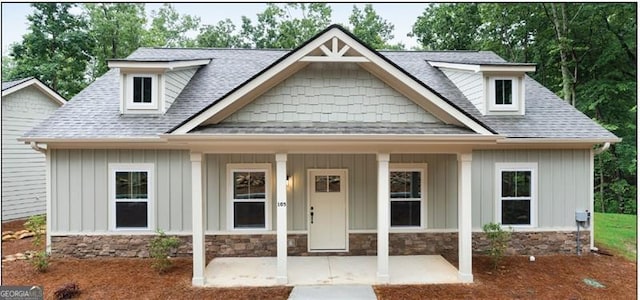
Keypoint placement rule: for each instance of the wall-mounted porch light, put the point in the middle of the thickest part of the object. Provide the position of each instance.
(288, 180)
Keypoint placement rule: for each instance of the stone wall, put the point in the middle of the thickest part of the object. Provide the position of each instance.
(442, 243)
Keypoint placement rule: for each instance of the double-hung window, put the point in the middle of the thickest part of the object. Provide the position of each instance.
(516, 190)
(249, 187)
(131, 190)
(407, 194)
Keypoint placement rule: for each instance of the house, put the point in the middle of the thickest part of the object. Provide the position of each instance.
(332, 148)
(25, 103)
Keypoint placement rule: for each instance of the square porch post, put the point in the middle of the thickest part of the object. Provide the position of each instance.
(197, 215)
(465, 273)
(383, 218)
(281, 212)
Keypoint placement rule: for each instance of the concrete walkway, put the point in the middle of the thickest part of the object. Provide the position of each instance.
(334, 292)
(329, 270)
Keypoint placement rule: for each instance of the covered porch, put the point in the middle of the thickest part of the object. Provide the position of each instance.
(284, 269)
(324, 270)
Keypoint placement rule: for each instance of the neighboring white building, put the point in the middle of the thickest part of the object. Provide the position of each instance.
(25, 103)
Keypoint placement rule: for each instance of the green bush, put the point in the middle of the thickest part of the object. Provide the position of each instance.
(160, 248)
(37, 225)
(40, 261)
(498, 241)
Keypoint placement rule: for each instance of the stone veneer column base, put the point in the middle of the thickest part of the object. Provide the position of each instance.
(254, 245)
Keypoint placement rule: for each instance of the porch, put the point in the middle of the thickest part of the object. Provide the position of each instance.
(326, 270)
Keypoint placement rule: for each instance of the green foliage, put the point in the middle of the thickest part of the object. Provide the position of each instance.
(55, 48)
(372, 29)
(617, 233)
(278, 28)
(221, 35)
(37, 225)
(160, 248)
(169, 28)
(116, 30)
(498, 241)
(40, 261)
(585, 52)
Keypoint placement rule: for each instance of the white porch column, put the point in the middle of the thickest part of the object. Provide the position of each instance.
(197, 216)
(281, 212)
(383, 218)
(465, 273)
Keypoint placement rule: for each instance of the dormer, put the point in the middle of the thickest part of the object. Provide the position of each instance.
(494, 88)
(151, 86)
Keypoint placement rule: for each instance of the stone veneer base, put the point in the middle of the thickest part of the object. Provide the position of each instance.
(428, 243)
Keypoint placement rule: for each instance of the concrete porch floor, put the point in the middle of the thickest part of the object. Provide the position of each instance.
(321, 270)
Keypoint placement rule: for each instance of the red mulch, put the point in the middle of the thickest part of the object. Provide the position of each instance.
(549, 277)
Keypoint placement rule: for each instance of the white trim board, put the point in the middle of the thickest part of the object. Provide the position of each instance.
(53, 95)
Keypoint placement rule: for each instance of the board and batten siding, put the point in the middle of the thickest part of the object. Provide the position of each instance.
(470, 84)
(332, 93)
(441, 206)
(23, 169)
(563, 184)
(174, 83)
(80, 191)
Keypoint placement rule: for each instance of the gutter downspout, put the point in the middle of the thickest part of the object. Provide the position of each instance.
(47, 155)
(35, 146)
(595, 152)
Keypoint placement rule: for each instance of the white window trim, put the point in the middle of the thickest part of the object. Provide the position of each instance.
(132, 167)
(411, 167)
(154, 92)
(515, 94)
(513, 166)
(265, 167)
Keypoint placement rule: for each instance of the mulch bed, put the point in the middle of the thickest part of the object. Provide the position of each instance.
(549, 277)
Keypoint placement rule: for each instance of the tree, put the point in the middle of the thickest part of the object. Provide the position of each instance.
(169, 28)
(55, 50)
(8, 66)
(447, 26)
(116, 30)
(278, 28)
(220, 35)
(372, 29)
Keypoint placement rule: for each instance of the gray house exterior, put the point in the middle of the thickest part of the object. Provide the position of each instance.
(332, 148)
(25, 103)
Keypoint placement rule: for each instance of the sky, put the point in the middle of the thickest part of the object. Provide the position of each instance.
(402, 15)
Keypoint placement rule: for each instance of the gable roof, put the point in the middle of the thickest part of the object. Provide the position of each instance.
(10, 87)
(94, 112)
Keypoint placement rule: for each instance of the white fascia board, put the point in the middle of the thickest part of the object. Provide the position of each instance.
(559, 140)
(40, 86)
(483, 67)
(301, 53)
(160, 65)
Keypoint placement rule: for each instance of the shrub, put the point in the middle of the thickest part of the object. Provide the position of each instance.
(36, 224)
(498, 241)
(67, 291)
(160, 248)
(40, 261)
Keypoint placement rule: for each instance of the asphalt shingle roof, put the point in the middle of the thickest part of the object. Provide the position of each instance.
(331, 128)
(9, 84)
(94, 112)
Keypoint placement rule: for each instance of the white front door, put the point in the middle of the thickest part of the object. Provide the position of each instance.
(327, 210)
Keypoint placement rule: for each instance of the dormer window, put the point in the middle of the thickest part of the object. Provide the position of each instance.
(504, 94)
(142, 91)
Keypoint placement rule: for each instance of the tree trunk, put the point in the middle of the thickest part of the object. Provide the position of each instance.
(560, 26)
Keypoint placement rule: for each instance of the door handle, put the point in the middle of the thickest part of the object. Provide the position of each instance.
(311, 217)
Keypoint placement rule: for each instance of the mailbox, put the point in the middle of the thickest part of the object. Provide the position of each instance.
(582, 215)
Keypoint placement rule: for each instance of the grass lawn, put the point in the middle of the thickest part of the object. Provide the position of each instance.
(617, 233)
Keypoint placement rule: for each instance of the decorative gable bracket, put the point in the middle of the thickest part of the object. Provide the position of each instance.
(333, 54)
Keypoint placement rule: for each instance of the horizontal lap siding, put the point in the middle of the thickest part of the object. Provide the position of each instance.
(470, 84)
(441, 206)
(563, 184)
(80, 191)
(23, 169)
(175, 81)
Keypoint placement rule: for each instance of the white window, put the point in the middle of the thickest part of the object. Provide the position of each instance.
(407, 194)
(516, 189)
(131, 195)
(142, 91)
(249, 194)
(503, 93)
